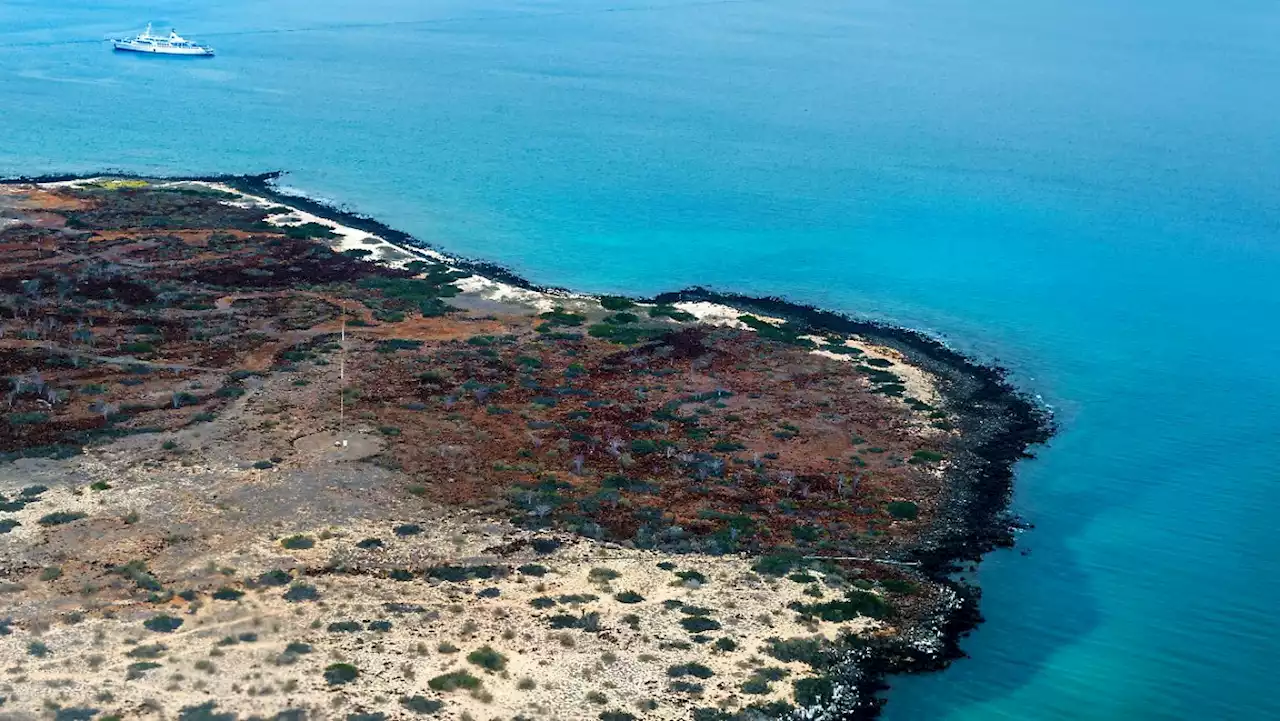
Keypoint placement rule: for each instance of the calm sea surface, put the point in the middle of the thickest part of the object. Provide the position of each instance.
(1085, 190)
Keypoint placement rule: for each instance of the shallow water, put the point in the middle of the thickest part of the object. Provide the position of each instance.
(1082, 191)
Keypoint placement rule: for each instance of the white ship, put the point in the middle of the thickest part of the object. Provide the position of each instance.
(174, 44)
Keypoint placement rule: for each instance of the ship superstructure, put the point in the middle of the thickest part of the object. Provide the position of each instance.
(173, 44)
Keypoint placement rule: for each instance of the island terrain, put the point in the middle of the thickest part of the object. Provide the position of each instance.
(261, 458)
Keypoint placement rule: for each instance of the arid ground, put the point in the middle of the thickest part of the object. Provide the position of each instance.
(256, 464)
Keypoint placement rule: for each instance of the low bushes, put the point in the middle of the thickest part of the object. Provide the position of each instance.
(488, 659)
(337, 674)
(903, 510)
(162, 623)
(453, 681)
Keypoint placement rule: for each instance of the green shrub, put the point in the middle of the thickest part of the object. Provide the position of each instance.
(756, 685)
(616, 302)
(691, 575)
(99, 486)
(903, 510)
(589, 622)
(560, 317)
(926, 457)
(162, 623)
(453, 681)
(856, 603)
(897, 585)
(667, 311)
(462, 574)
(533, 569)
(488, 659)
(153, 650)
(344, 627)
(307, 231)
(601, 574)
(725, 644)
(690, 669)
(776, 564)
(812, 691)
(699, 624)
(300, 591)
(806, 533)
(643, 446)
(799, 650)
(58, 518)
(616, 716)
(629, 597)
(263, 465)
(772, 673)
(621, 318)
(624, 334)
(336, 674)
(274, 578)
(298, 542)
(136, 670)
(421, 704)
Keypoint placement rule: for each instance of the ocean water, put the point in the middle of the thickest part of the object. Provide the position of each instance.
(1083, 190)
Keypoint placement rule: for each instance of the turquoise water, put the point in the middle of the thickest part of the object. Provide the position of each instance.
(1084, 190)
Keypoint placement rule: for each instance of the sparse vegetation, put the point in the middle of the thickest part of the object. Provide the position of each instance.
(454, 681)
(421, 704)
(298, 543)
(337, 674)
(630, 426)
(488, 659)
(162, 623)
(903, 510)
(60, 517)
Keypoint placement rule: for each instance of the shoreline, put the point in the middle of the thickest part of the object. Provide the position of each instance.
(997, 424)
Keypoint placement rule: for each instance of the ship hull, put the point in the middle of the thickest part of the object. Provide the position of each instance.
(160, 50)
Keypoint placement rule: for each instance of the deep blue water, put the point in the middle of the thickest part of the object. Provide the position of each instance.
(1084, 190)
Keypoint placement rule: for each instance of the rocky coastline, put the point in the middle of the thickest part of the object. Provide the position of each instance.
(997, 426)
